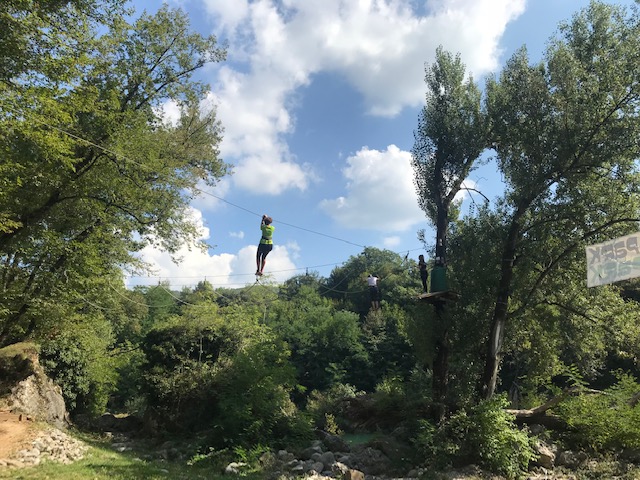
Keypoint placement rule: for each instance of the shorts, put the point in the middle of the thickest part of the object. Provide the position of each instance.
(264, 248)
(373, 291)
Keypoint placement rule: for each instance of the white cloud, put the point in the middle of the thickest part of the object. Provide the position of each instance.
(239, 234)
(379, 46)
(391, 242)
(228, 14)
(208, 197)
(169, 111)
(225, 269)
(464, 193)
(380, 192)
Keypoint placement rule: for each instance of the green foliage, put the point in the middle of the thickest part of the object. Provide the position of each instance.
(78, 359)
(220, 371)
(127, 395)
(326, 407)
(606, 421)
(484, 434)
(326, 345)
(450, 137)
(107, 174)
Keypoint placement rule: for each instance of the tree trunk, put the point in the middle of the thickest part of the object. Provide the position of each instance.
(494, 343)
(440, 383)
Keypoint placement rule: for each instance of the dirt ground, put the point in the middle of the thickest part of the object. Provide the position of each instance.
(14, 433)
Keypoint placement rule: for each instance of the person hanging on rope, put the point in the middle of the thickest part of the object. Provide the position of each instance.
(266, 243)
(372, 281)
(424, 274)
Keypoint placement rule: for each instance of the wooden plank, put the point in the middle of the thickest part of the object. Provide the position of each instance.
(444, 296)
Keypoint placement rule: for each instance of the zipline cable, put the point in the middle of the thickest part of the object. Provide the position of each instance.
(195, 188)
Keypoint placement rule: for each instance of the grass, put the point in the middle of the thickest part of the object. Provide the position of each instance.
(102, 463)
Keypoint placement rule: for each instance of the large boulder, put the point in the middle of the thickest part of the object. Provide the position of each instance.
(26, 389)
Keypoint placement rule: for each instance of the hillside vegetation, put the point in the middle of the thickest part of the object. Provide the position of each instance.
(511, 337)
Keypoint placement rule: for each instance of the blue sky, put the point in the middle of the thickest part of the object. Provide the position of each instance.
(319, 100)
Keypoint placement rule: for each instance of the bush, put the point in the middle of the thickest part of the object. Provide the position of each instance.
(77, 359)
(607, 421)
(325, 408)
(484, 434)
(222, 372)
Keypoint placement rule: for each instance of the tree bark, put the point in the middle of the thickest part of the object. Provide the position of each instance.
(499, 320)
(440, 381)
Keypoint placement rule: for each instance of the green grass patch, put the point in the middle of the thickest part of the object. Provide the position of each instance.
(102, 463)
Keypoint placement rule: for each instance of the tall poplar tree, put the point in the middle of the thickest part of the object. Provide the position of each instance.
(448, 142)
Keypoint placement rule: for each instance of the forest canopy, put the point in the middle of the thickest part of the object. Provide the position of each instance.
(93, 171)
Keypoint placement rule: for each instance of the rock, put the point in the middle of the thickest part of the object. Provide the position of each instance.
(51, 445)
(307, 453)
(333, 442)
(631, 454)
(546, 457)
(109, 422)
(234, 468)
(267, 459)
(570, 459)
(36, 396)
(327, 459)
(371, 461)
(285, 456)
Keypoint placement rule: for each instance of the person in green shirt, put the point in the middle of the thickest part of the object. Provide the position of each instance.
(266, 243)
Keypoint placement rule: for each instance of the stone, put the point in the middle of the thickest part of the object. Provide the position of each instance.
(333, 442)
(38, 397)
(234, 468)
(327, 459)
(307, 453)
(546, 457)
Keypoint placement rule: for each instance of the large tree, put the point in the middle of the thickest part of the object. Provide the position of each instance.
(448, 142)
(567, 136)
(93, 169)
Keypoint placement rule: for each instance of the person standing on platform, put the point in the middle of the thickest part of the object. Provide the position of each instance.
(424, 274)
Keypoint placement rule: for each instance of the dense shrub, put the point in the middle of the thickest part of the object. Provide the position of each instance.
(606, 421)
(221, 371)
(78, 360)
(326, 408)
(484, 434)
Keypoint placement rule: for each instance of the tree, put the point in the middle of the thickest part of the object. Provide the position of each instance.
(95, 172)
(326, 344)
(565, 132)
(448, 143)
(30, 28)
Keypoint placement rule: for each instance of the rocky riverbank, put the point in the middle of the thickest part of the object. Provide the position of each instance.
(50, 444)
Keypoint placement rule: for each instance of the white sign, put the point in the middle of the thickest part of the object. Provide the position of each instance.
(612, 261)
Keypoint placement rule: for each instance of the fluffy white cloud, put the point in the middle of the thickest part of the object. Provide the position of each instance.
(208, 198)
(228, 14)
(222, 270)
(379, 46)
(391, 242)
(380, 192)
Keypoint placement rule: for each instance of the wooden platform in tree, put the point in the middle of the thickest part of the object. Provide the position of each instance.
(445, 296)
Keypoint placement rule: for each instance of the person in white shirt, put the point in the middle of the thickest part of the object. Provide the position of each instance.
(372, 281)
